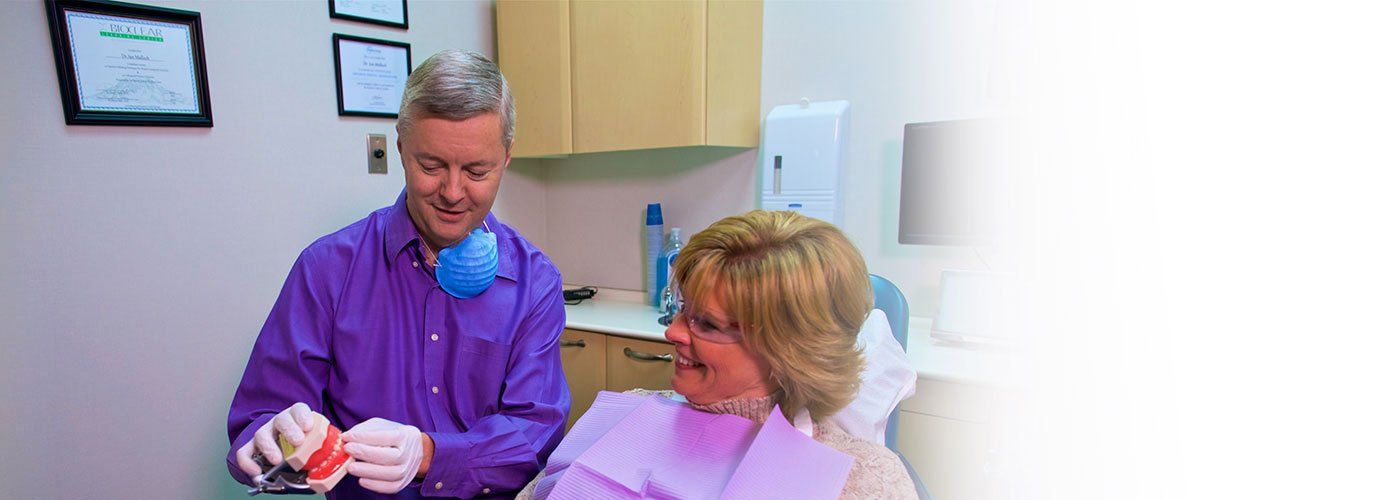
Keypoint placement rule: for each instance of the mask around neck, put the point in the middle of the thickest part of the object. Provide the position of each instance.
(468, 268)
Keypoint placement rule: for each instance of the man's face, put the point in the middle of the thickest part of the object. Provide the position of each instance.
(452, 170)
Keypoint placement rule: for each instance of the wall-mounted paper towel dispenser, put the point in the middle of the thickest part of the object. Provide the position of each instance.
(804, 158)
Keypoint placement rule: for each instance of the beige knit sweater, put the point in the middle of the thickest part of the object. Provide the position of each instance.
(876, 473)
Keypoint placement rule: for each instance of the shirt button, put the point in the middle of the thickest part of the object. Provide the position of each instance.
(486, 491)
(415, 263)
(435, 337)
(435, 389)
(438, 486)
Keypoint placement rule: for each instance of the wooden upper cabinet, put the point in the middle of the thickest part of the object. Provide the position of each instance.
(533, 36)
(632, 74)
(734, 69)
(639, 73)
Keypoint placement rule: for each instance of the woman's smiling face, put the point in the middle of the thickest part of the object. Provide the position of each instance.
(707, 371)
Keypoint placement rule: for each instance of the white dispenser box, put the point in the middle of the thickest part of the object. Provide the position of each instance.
(804, 158)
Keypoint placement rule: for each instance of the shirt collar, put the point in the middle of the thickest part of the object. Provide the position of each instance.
(399, 233)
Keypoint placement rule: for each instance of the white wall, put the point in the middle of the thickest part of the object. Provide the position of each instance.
(597, 202)
(897, 62)
(137, 264)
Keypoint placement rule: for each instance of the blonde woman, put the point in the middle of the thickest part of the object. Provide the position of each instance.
(771, 306)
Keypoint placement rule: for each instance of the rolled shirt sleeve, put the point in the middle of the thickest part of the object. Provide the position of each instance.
(501, 452)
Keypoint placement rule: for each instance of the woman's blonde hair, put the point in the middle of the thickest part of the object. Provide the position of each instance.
(799, 291)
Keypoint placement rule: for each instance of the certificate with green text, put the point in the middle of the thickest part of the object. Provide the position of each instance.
(132, 64)
(128, 64)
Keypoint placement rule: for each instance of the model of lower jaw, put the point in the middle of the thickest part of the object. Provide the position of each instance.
(322, 456)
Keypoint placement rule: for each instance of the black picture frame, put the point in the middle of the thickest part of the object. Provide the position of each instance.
(371, 20)
(74, 111)
(336, 39)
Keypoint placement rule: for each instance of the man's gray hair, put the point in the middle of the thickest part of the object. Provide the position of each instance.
(457, 84)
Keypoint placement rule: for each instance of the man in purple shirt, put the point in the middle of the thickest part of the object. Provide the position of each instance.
(440, 396)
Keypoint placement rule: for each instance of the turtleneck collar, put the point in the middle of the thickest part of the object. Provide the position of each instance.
(755, 409)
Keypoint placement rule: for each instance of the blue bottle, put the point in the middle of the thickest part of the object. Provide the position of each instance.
(653, 230)
(664, 263)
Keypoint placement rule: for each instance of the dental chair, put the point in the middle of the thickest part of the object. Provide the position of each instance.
(891, 301)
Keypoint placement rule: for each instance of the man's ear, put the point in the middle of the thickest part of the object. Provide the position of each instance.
(398, 145)
(508, 157)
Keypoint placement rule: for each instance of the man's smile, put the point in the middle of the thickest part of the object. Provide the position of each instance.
(449, 216)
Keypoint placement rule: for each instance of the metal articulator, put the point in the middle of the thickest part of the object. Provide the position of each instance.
(279, 479)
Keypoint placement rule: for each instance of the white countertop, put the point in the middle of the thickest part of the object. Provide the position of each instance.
(623, 313)
(616, 317)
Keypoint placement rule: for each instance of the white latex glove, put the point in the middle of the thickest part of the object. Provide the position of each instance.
(293, 422)
(387, 454)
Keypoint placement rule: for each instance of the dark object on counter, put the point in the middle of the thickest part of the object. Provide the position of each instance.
(576, 296)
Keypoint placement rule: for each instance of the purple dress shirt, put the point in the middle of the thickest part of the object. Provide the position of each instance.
(362, 330)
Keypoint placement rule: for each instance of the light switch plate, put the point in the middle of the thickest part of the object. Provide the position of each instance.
(378, 153)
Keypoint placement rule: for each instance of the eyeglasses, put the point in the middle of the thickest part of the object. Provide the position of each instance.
(701, 326)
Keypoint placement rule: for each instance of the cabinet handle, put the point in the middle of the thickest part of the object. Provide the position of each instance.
(645, 356)
(572, 343)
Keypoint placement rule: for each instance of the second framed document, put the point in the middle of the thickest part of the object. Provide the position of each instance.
(383, 12)
(370, 75)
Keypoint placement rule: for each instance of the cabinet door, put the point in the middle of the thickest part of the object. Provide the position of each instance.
(733, 68)
(639, 364)
(638, 74)
(582, 353)
(953, 458)
(532, 45)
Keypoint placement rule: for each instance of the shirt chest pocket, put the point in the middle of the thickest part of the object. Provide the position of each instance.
(477, 367)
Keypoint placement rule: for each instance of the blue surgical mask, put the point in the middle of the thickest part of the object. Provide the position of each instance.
(469, 267)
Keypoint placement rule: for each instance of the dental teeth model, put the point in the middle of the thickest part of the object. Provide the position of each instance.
(322, 456)
(314, 467)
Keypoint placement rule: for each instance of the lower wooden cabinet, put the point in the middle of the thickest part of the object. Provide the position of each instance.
(639, 364)
(582, 353)
(594, 362)
(947, 431)
(954, 458)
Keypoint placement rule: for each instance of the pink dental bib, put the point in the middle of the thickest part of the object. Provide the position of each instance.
(630, 446)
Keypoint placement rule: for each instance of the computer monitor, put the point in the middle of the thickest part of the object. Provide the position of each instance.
(949, 179)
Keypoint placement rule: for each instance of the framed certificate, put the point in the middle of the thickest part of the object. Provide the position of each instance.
(369, 75)
(127, 64)
(383, 12)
